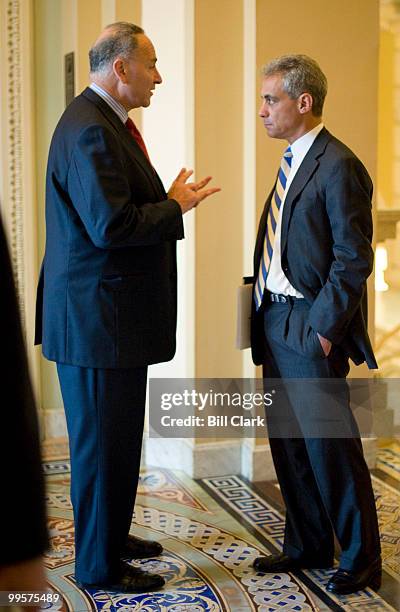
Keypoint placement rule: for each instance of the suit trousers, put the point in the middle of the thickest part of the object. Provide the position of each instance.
(324, 480)
(105, 416)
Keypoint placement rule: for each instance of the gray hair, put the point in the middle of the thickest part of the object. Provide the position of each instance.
(300, 74)
(120, 41)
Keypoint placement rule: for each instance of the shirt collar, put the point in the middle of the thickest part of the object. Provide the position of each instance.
(301, 146)
(112, 102)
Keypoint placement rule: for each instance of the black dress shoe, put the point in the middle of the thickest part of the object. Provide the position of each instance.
(136, 548)
(344, 582)
(130, 580)
(283, 563)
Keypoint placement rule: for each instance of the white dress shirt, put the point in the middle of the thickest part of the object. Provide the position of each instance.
(277, 282)
(112, 102)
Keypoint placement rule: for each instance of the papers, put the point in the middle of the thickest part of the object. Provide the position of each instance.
(244, 299)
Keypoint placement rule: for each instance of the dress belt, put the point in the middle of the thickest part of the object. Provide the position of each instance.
(281, 299)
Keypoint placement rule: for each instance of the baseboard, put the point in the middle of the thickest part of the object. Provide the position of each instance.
(370, 448)
(197, 460)
(200, 460)
(257, 462)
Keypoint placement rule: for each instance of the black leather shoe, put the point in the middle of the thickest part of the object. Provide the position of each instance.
(283, 563)
(344, 582)
(136, 548)
(131, 580)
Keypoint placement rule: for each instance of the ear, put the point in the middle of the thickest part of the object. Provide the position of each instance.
(119, 69)
(305, 103)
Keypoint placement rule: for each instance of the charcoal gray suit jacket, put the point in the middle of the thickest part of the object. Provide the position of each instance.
(326, 250)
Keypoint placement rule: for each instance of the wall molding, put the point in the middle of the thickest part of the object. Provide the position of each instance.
(13, 149)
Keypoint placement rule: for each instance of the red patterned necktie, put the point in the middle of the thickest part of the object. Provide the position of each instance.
(137, 136)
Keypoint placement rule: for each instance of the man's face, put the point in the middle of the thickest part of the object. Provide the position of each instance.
(141, 74)
(280, 113)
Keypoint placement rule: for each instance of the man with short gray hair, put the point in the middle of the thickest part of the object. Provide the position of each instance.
(106, 304)
(312, 258)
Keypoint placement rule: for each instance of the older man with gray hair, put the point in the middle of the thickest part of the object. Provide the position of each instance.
(312, 258)
(107, 296)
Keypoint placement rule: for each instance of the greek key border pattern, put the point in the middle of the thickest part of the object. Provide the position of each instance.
(15, 147)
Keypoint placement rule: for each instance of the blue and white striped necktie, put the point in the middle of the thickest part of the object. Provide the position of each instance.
(272, 219)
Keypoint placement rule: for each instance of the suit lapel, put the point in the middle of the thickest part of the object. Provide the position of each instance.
(129, 142)
(309, 165)
(307, 168)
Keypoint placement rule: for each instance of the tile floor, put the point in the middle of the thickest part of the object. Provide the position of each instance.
(211, 530)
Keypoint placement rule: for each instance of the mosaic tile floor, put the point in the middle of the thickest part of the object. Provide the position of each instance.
(388, 460)
(211, 531)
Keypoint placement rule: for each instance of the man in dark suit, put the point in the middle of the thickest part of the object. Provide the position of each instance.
(24, 536)
(107, 296)
(312, 258)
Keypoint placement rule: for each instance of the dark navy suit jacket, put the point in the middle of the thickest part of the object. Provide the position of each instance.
(107, 289)
(326, 250)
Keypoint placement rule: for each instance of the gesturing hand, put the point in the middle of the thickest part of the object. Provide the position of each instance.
(189, 195)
